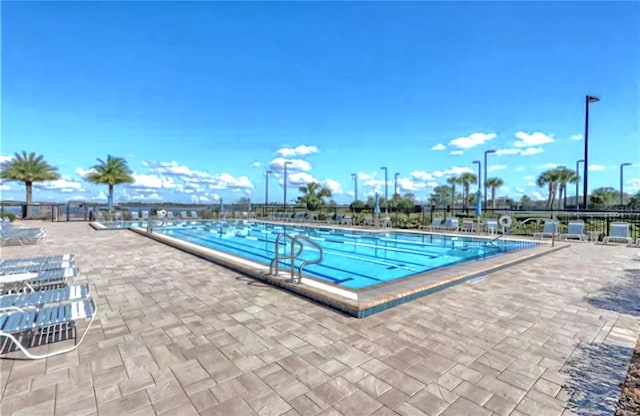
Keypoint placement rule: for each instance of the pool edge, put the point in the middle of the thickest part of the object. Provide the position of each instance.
(359, 308)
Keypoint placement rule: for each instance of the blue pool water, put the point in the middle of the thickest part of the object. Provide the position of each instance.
(354, 259)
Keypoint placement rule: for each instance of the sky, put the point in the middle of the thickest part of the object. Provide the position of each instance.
(201, 98)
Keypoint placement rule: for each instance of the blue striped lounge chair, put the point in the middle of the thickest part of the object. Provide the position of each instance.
(618, 231)
(36, 298)
(38, 279)
(36, 264)
(23, 323)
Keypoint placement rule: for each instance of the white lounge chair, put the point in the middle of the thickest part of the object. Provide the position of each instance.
(618, 231)
(468, 226)
(491, 226)
(550, 229)
(49, 318)
(575, 230)
(451, 224)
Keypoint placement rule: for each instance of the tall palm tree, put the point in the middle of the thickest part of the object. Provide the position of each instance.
(565, 176)
(113, 171)
(453, 181)
(550, 178)
(467, 179)
(494, 184)
(313, 195)
(28, 168)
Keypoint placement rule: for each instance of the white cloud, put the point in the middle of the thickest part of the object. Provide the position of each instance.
(255, 164)
(297, 151)
(531, 151)
(83, 172)
(333, 186)
(298, 179)
(519, 190)
(519, 169)
(534, 139)
(496, 167)
(548, 166)
(277, 165)
(5, 158)
(593, 167)
(501, 152)
(455, 170)
(421, 175)
(529, 178)
(576, 137)
(439, 147)
(4, 187)
(472, 140)
(456, 152)
(532, 184)
(152, 181)
(64, 184)
(102, 196)
(195, 180)
(407, 185)
(203, 198)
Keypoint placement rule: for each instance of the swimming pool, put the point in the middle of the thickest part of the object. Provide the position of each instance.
(352, 259)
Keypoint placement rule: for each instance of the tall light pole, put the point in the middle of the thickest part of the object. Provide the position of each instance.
(386, 189)
(287, 163)
(484, 182)
(622, 181)
(578, 183)
(585, 183)
(266, 191)
(478, 194)
(354, 176)
(395, 183)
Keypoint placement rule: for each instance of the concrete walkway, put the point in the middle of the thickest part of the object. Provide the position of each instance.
(178, 335)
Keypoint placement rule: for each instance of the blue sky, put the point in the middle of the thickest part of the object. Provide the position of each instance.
(202, 97)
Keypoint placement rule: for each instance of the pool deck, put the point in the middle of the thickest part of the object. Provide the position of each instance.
(178, 335)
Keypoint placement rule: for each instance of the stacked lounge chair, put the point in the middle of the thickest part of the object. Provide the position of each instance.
(44, 307)
(11, 235)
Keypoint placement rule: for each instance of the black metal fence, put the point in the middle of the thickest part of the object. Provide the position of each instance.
(597, 223)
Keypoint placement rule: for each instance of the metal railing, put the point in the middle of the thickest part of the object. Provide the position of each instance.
(306, 262)
(515, 227)
(274, 266)
(294, 254)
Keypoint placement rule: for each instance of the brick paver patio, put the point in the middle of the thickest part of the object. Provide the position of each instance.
(177, 335)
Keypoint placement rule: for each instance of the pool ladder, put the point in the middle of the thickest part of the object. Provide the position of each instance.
(515, 227)
(293, 254)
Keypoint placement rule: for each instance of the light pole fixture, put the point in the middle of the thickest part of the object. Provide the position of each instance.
(484, 182)
(585, 183)
(622, 181)
(354, 176)
(287, 163)
(386, 189)
(578, 183)
(266, 191)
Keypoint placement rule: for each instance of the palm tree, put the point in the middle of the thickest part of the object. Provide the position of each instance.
(453, 181)
(312, 195)
(494, 184)
(550, 178)
(565, 176)
(113, 171)
(28, 168)
(467, 179)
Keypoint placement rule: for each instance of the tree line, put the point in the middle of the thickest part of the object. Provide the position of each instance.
(30, 168)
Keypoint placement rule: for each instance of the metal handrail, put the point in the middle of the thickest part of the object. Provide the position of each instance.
(304, 263)
(518, 225)
(276, 257)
